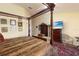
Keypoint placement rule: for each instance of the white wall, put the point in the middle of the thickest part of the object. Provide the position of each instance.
(45, 18)
(13, 30)
(70, 20)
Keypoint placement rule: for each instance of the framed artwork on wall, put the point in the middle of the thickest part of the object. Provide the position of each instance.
(4, 29)
(20, 29)
(20, 24)
(3, 21)
(12, 22)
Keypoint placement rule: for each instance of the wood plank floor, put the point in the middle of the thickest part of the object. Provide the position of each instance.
(23, 46)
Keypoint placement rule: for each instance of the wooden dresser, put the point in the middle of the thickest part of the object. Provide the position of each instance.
(57, 35)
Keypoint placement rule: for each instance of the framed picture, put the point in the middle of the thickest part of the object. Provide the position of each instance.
(12, 22)
(20, 24)
(3, 21)
(4, 29)
(19, 29)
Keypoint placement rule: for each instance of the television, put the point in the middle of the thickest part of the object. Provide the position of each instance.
(58, 24)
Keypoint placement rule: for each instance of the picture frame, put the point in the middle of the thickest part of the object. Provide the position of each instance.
(20, 29)
(20, 24)
(12, 22)
(4, 29)
(3, 21)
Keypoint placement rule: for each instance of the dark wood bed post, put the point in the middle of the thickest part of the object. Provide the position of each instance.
(28, 26)
(51, 7)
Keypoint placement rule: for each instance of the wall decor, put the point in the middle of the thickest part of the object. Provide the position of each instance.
(3, 21)
(20, 24)
(4, 29)
(12, 22)
(20, 29)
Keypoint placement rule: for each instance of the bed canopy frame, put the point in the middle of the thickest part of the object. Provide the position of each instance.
(51, 9)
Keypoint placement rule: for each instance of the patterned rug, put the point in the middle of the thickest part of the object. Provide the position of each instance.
(60, 49)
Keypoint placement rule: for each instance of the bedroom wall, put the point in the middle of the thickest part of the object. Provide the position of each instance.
(13, 30)
(38, 20)
(70, 20)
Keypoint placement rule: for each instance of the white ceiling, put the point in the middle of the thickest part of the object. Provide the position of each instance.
(67, 7)
(33, 8)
